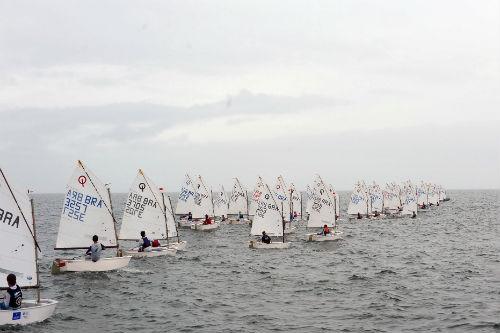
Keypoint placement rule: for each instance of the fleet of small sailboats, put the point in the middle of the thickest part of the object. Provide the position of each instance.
(148, 213)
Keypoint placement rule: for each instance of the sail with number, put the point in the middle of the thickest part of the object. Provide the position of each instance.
(268, 215)
(86, 212)
(409, 200)
(359, 200)
(421, 192)
(282, 196)
(220, 202)
(336, 199)
(187, 197)
(376, 198)
(238, 202)
(296, 200)
(205, 199)
(323, 207)
(310, 198)
(255, 195)
(16, 236)
(144, 211)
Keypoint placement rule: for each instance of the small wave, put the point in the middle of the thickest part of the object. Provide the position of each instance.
(357, 277)
(386, 271)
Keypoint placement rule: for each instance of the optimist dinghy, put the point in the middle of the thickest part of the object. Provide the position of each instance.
(268, 217)
(87, 211)
(323, 212)
(146, 210)
(18, 232)
(238, 204)
(189, 201)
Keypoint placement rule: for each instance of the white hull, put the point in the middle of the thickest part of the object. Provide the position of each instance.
(321, 238)
(205, 227)
(291, 230)
(185, 224)
(30, 312)
(259, 245)
(155, 252)
(180, 246)
(238, 221)
(86, 265)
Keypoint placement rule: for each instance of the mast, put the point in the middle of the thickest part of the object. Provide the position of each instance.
(113, 216)
(283, 221)
(176, 229)
(165, 215)
(36, 252)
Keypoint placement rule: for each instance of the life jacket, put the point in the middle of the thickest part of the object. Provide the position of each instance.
(146, 242)
(156, 243)
(326, 230)
(16, 297)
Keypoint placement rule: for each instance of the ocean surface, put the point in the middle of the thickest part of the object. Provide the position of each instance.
(440, 272)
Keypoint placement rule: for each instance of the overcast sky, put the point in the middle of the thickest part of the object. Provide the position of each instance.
(375, 90)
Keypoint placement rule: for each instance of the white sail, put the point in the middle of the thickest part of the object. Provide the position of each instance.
(238, 202)
(268, 215)
(409, 200)
(421, 192)
(336, 199)
(310, 198)
(86, 212)
(16, 235)
(144, 211)
(206, 206)
(220, 202)
(254, 198)
(188, 198)
(282, 196)
(391, 197)
(358, 202)
(323, 207)
(376, 198)
(296, 200)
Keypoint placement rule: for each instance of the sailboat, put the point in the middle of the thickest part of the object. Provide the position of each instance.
(296, 208)
(375, 201)
(310, 199)
(206, 207)
(145, 210)
(269, 218)
(422, 196)
(283, 196)
(238, 204)
(220, 202)
(87, 211)
(20, 256)
(410, 205)
(358, 205)
(336, 200)
(254, 198)
(188, 202)
(323, 212)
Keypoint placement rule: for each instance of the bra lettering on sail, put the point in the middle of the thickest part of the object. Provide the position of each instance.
(6, 217)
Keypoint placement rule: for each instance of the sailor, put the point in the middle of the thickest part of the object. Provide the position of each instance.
(265, 238)
(94, 250)
(295, 215)
(240, 216)
(144, 243)
(359, 216)
(325, 231)
(423, 206)
(414, 215)
(376, 214)
(190, 216)
(223, 218)
(207, 220)
(13, 296)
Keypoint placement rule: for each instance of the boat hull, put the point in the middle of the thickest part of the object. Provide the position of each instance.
(185, 224)
(259, 245)
(85, 265)
(180, 246)
(205, 227)
(239, 221)
(155, 252)
(30, 312)
(291, 230)
(321, 238)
